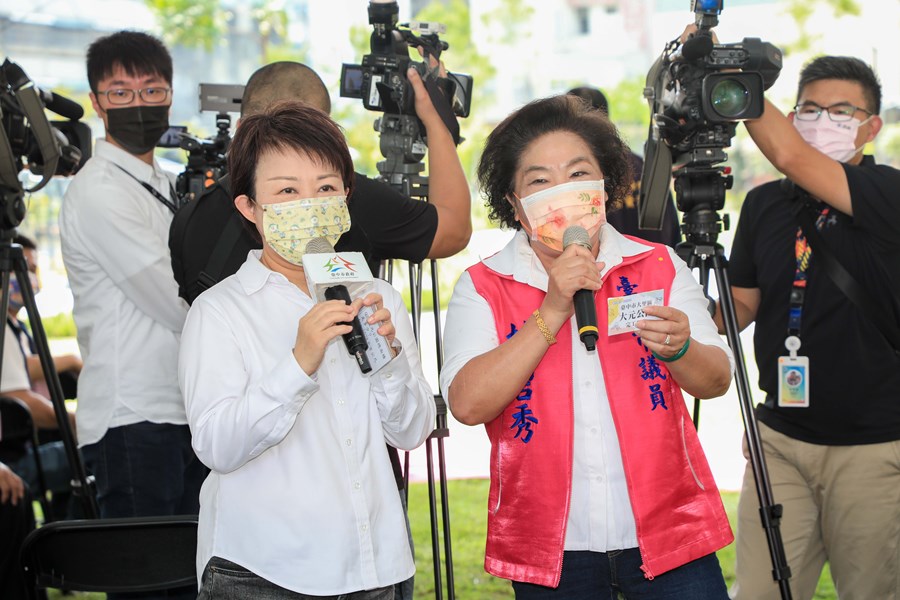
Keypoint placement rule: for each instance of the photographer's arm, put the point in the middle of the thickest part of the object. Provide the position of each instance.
(746, 304)
(815, 172)
(448, 188)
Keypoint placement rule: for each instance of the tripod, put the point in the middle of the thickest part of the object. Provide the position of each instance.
(701, 226)
(12, 260)
(403, 152)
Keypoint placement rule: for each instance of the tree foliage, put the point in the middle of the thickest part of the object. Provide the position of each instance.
(191, 23)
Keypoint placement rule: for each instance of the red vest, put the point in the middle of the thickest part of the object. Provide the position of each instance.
(677, 508)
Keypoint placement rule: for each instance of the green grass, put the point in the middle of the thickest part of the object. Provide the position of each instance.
(468, 523)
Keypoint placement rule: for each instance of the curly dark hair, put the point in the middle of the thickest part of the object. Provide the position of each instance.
(505, 145)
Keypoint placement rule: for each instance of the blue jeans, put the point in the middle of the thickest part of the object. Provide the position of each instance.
(225, 580)
(144, 470)
(606, 575)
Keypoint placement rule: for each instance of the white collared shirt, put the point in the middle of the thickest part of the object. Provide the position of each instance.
(115, 248)
(14, 371)
(301, 491)
(600, 515)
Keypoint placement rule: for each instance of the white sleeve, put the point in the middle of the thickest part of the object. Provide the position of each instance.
(232, 420)
(13, 373)
(113, 229)
(469, 330)
(404, 398)
(687, 296)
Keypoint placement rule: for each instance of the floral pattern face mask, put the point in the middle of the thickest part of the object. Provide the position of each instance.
(551, 211)
(289, 226)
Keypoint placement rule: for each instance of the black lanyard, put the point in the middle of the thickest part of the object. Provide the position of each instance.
(170, 204)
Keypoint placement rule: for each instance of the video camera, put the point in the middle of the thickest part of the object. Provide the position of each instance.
(28, 140)
(206, 160)
(698, 91)
(381, 82)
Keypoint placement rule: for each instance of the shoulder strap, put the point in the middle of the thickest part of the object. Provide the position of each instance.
(231, 233)
(846, 282)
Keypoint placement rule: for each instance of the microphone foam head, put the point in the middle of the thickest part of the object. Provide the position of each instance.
(576, 234)
(319, 245)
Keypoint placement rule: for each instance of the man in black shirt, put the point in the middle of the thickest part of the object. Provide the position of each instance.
(830, 423)
(384, 223)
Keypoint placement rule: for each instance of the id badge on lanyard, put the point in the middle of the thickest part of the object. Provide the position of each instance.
(793, 377)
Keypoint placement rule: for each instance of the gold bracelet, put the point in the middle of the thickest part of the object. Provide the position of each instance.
(545, 331)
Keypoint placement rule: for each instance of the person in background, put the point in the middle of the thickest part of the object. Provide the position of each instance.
(599, 485)
(301, 501)
(114, 225)
(625, 218)
(830, 422)
(385, 224)
(22, 378)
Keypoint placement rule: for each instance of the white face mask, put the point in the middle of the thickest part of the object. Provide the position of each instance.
(551, 211)
(835, 140)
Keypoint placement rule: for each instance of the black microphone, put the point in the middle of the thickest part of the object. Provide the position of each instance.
(61, 105)
(585, 311)
(356, 339)
(697, 46)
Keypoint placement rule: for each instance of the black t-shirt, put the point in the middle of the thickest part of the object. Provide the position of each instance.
(384, 224)
(625, 218)
(854, 374)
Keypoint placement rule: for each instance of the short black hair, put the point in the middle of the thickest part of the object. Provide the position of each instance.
(846, 68)
(505, 145)
(284, 80)
(286, 125)
(592, 96)
(136, 52)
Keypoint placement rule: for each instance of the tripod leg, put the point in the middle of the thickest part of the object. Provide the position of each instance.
(13, 259)
(769, 511)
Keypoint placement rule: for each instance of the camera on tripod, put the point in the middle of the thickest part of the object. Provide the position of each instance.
(698, 91)
(28, 140)
(380, 81)
(206, 160)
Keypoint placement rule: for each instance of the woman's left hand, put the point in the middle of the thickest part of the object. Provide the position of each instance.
(667, 335)
(382, 314)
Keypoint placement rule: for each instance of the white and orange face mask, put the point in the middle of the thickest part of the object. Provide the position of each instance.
(551, 211)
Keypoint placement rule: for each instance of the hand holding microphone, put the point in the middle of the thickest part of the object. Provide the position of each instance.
(574, 276)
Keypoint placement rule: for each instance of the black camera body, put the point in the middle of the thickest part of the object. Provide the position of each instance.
(380, 80)
(206, 160)
(206, 157)
(29, 140)
(698, 91)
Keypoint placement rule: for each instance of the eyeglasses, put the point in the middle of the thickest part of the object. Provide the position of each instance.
(841, 112)
(150, 95)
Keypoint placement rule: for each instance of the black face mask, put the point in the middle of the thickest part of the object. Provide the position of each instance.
(137, 128)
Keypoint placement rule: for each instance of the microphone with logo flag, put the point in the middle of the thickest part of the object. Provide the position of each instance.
(585, 311)
(343, 276)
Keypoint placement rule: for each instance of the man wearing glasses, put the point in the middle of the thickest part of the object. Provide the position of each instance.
(114, 225)
(830, 423)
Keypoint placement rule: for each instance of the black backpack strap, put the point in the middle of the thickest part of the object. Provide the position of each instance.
(230, 235)
(845, 282)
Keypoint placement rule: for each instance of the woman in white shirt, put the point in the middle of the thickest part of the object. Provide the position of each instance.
(301, 498)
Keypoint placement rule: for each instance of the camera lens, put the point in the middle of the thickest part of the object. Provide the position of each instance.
(730, 98)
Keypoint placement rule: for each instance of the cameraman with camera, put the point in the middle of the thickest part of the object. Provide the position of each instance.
(385, 224)
(830, 424)
(114, 225)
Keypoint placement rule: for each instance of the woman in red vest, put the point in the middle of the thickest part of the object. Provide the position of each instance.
(599, 485)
